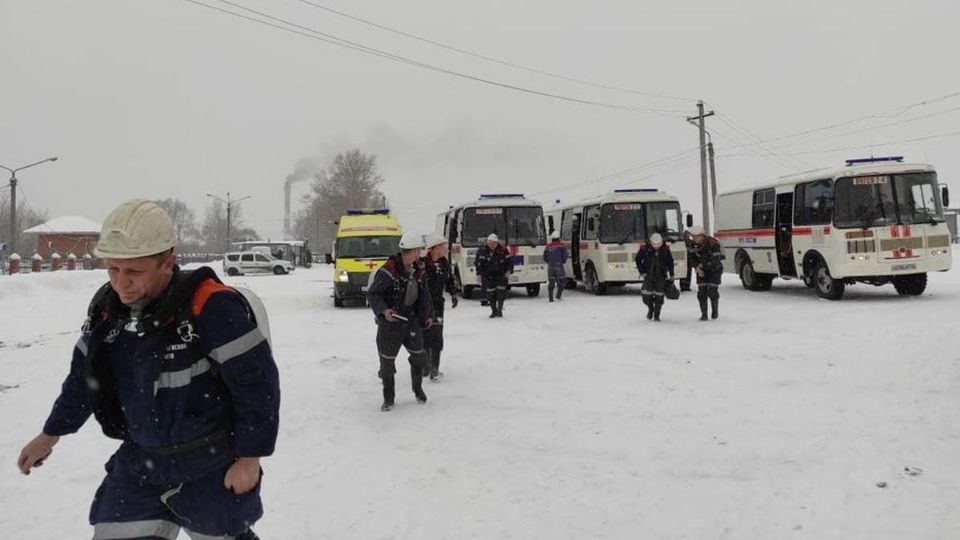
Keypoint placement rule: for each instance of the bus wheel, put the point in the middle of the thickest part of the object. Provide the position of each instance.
(827, 287)
(467, 292)
(912, 285)
(533, 290)
(570, 283)
(751, 280)
(593, 283)
(808, 280)
(337, 301)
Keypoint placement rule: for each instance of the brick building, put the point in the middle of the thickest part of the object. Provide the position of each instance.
(66, 235)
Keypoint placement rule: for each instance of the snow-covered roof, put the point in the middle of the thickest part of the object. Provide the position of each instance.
(66, 225)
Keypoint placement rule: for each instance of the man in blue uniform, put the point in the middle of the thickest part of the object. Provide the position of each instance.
(439, 277)
(494, 265)
(401, 304)
(173, 364)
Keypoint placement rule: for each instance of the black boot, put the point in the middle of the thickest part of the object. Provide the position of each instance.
(703, 306)
(550, 291)
(560, 286)
(416, 375)
(435, 373)
(656, 310)
(714, 306)
(501, 298)
(388, 393)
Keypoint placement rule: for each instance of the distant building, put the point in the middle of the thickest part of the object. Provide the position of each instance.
(66, 235)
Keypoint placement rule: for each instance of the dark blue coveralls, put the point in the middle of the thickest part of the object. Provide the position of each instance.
(189, 386)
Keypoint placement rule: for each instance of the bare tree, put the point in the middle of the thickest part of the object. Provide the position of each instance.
(214, 227)
(26, 217)
(183, 218)
(351, 181)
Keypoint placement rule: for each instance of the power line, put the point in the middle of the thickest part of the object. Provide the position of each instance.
(341, 42)
(889, 143)
(872, 128)
(891, 113)
(618, 174)
(489, 58)
(758, 141)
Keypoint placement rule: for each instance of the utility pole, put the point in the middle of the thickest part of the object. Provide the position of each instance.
(229, 202)
(705, 188)
(713, 172)
(13, 200)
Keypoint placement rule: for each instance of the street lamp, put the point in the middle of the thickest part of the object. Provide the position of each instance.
(13, 199)
(229, 202)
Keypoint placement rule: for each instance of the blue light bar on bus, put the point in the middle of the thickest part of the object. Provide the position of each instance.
(859, 161)
(501, 195)
(636, 190)
(367, 211)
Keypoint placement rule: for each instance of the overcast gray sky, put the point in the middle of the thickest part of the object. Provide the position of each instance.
(164, 98)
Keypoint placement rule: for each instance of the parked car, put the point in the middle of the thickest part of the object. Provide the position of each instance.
(251, 262)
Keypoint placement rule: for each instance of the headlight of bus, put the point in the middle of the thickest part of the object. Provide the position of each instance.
(343, 275)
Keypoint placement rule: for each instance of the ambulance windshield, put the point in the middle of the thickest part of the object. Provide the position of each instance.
(367, 247)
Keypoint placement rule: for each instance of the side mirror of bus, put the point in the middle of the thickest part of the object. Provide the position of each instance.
(945, 195)
(689, 220)
(328, 258)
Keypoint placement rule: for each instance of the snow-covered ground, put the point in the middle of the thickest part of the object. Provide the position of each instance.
(570, 420)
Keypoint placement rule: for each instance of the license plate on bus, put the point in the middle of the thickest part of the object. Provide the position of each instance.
(903, 267)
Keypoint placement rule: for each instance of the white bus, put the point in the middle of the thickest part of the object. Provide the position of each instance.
(518, 222)
(603, 236)
(874, 221)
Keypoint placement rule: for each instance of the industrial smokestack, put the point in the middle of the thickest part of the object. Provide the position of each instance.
(306, 169)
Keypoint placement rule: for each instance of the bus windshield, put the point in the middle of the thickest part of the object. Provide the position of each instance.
(525, 226)
(367, 247)
(871, 201)
(664, 218)
(621, 223)
(479, 222)
(624, 223)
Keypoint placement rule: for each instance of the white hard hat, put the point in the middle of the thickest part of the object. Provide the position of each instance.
(555, 235)
(656, 240)
(136, 228)
(411, 240)
(434, 239)
(493, 238)
(696, 230)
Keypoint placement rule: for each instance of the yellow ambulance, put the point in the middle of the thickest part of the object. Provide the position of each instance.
(365, 239)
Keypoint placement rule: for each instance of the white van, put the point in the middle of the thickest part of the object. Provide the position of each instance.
(253, 262)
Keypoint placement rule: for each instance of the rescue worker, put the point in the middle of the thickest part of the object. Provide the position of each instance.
(439, 279)
(705, 259)
(555, 255)
(494, 265)
(401, 303)
(655, 263)
(173, 364)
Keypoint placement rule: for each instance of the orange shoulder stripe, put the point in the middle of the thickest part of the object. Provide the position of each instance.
(204, 292)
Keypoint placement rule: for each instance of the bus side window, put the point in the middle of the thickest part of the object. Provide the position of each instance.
(764, 203)
(591, 223)
(566, 225)
(550, 224)
(813, 203)
(453, 231)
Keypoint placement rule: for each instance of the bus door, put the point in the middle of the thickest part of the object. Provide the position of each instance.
(784, 240)
(575, 247)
